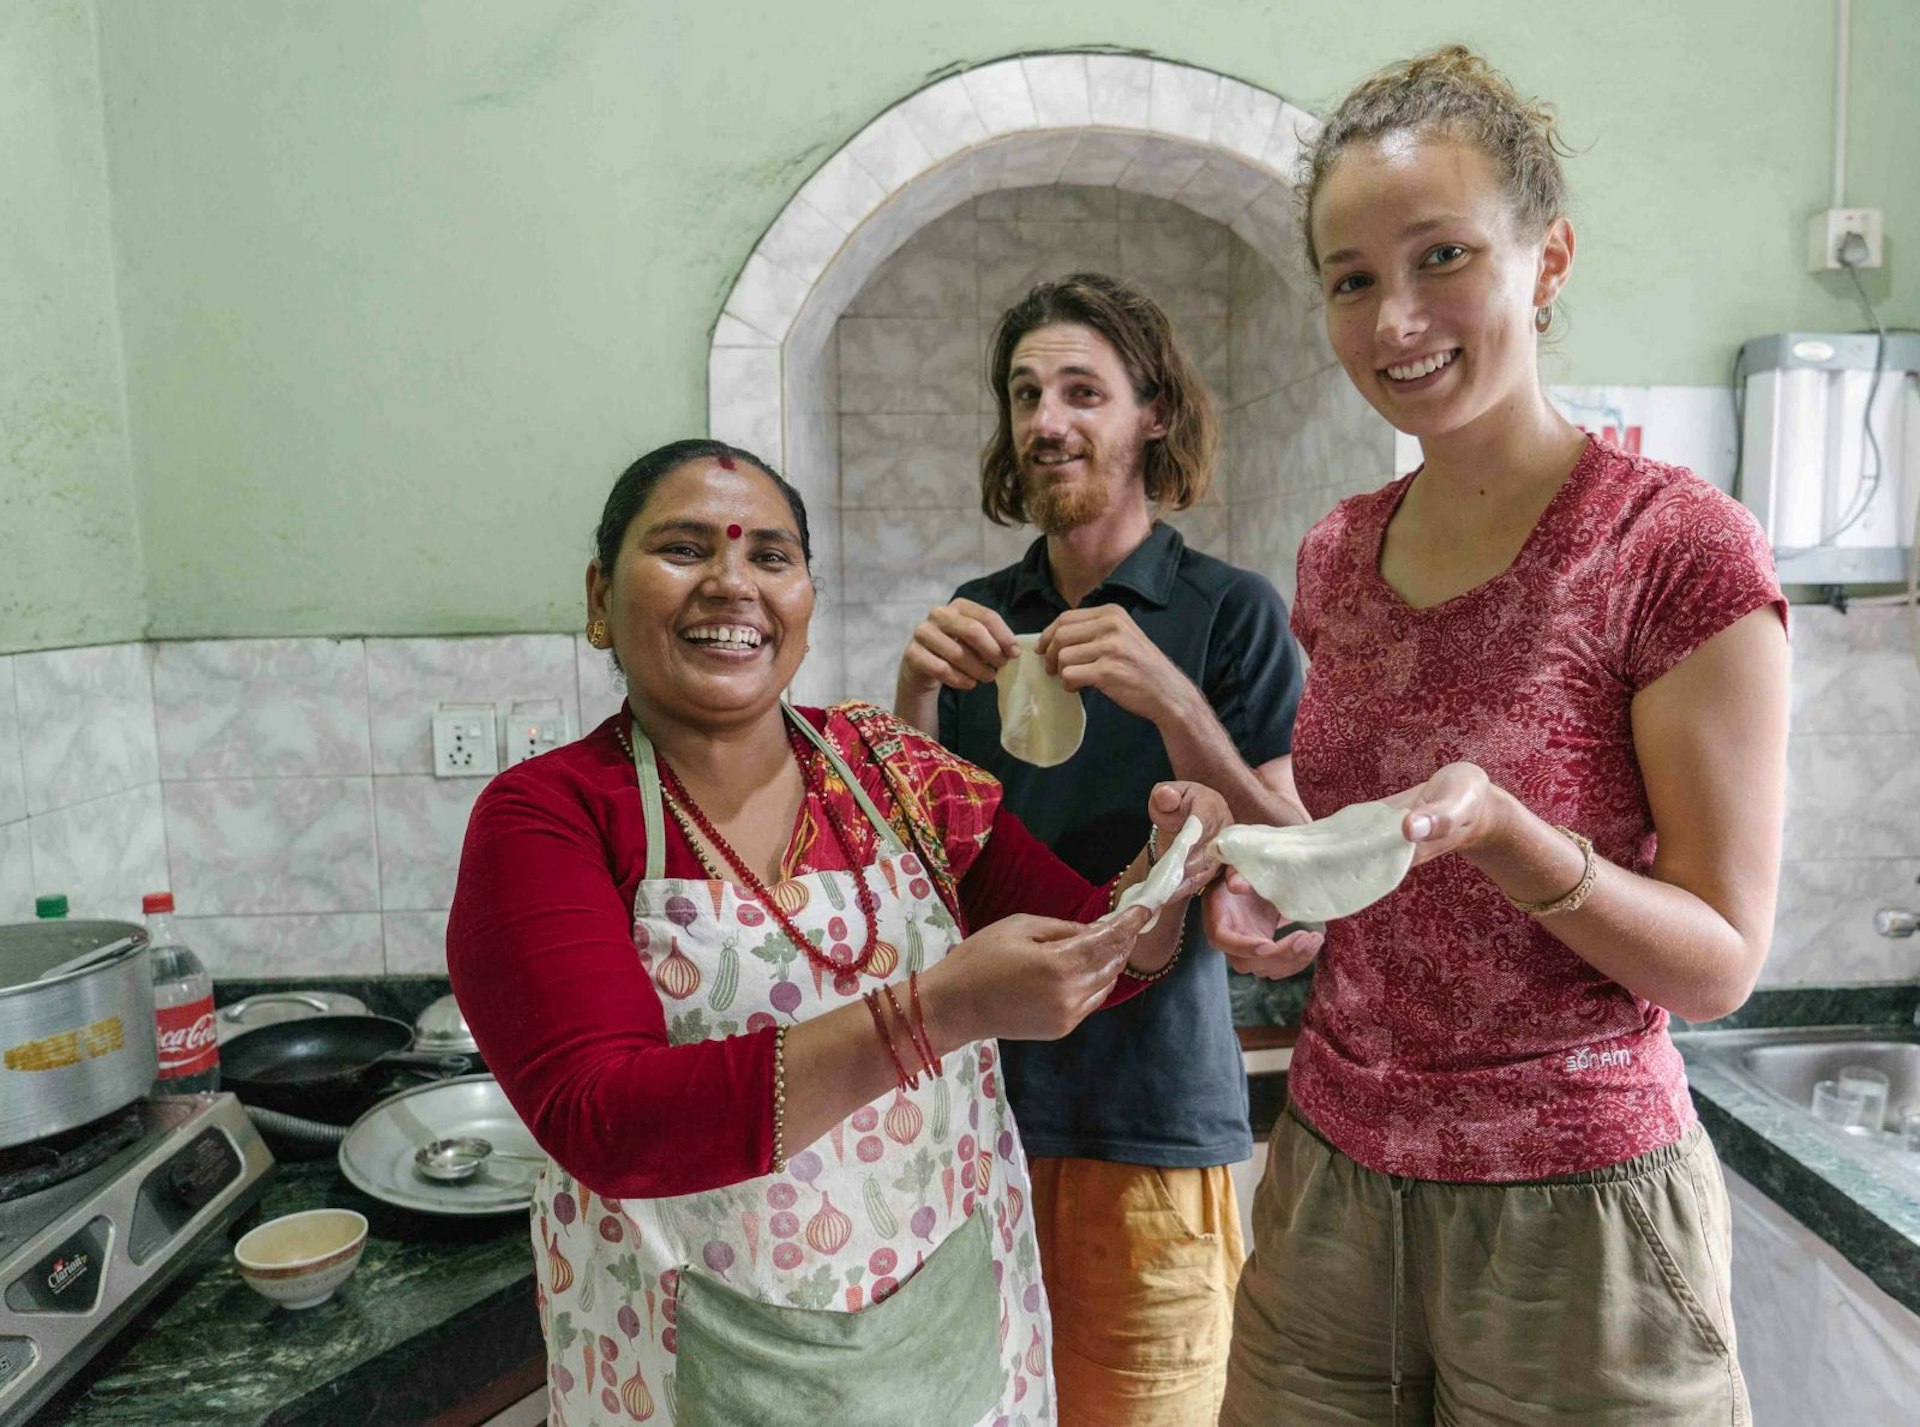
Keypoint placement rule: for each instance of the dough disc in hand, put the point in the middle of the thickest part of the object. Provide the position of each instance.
(1041, 722)
(1325, 869)
(1153, 890)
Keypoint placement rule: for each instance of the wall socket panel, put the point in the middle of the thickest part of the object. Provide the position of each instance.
(535, 727)
(466, 741)
(1826, 231)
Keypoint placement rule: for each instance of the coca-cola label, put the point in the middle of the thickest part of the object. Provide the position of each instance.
(189, 1044)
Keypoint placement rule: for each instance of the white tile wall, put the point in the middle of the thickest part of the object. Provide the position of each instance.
(13, 778)
(104, 853)
(85, 723)
(265, 708)
(407, 677)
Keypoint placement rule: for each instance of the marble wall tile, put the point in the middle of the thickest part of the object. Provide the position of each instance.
(1823, 929)
(1852, 795)
(1135, 207)
(743, 396)
(908, 556)
(1004, 545)
(943, 117)
(1276, 335)
(421, 822)
(261, 708)
(1854, 672)
(602, 690)
(730, 331)
(1001, 97)
(18, 885)
(767, 297)
(416, 943)
(877, 635)
(1058, 203)
(1100, 158)
(104, 854)
(1163, 167)
(1119, 90)
(260, 846)
(910, 462)
(1292, 130)
(1206, 528)
(1039, 160)
(907, 365)
(13, 778)
(933, 274)
(1223, 188)
(843, 192)
(408, 678)
(293, 948)
(85, 723)
(1205, 340)
(1268, 225)
(1185, 263)
(1058, 84)
(891, 150)
(1003, 204)
(1243, 118)
(1015, 256)
(802, 240)
(1180, 101)
(1255, 541)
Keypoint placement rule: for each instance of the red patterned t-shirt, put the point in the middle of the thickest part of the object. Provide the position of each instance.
(1450, 1036)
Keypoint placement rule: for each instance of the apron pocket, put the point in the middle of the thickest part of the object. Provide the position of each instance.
(930, 1354)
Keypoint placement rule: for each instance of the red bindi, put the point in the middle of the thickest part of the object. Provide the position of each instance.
(725, 462)
(733, 532)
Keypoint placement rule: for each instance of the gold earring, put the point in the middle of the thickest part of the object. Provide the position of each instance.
(597, 634)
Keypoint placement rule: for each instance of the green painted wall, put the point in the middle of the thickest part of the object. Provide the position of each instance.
(69, 543)
(403, 282)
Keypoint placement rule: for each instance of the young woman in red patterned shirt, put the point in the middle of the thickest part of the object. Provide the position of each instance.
(1490, 1200)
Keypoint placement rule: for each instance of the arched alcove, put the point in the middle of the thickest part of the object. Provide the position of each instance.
(1213, 145)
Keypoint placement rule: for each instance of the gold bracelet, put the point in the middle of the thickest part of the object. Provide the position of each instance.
(780, 1101)
(1567, 901)
(1179, 945)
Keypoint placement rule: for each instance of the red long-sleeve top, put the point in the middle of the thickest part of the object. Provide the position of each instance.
(540, 945)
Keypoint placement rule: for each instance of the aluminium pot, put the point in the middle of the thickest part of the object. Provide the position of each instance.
(79, 1043)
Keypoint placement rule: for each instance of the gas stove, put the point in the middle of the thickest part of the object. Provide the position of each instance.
(80, 1257)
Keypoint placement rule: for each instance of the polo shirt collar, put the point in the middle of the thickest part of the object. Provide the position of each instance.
(1148, 572)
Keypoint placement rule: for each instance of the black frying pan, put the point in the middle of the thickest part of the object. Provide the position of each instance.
(323, 1066)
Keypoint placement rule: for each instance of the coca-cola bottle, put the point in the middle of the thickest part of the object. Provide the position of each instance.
(182, 1006)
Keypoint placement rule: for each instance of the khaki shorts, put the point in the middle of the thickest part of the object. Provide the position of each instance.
(1597, 1298)
(1140, 1266)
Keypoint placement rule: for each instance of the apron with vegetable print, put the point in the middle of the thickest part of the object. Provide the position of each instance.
(773, 1301)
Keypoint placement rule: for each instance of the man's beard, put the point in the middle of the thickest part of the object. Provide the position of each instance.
(1056, 508)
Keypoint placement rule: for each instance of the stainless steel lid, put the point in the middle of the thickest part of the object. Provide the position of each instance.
(443, 1027)
(290, 1005)
(32, 953)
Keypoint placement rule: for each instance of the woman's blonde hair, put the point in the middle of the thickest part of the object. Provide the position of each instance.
(1179, 465)
(1453, 92)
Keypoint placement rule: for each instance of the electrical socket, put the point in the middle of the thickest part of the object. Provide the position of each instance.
(1826, 231)
(535, 727)
(466, 741)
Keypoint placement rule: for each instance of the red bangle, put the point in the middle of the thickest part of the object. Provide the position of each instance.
(919, 1026)
(907, 1082)
(926, 1061)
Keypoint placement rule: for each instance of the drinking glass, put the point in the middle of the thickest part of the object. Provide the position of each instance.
(1841, 1106)
(1871, 1086)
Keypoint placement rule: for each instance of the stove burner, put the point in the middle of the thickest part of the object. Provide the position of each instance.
(30, 1168)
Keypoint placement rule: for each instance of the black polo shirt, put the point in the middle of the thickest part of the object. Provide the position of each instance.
(1158, 1080)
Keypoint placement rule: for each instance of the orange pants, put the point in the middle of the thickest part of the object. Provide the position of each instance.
(1140, 1266)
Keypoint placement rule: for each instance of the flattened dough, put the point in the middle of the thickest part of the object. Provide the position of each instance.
(1041, 722)
(1321, 870)
(1153, 890)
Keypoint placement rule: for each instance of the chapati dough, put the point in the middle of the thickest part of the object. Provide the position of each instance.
(1153, 890)
(1325, 869)
(1041, 722)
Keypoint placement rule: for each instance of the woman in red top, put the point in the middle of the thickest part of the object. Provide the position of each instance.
(717, 955)
(1491, 1200)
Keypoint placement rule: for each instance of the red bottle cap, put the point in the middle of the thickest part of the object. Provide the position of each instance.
(156, 902)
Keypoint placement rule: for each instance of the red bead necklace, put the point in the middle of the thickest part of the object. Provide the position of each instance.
(863, 894)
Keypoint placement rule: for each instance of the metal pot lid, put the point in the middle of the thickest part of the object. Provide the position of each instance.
(32, 950)
(443, 1026)
(290, 1005)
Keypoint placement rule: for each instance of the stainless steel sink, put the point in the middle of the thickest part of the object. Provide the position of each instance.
(1785, 1065)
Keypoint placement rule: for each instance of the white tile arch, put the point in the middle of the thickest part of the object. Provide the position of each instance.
(1212, 143)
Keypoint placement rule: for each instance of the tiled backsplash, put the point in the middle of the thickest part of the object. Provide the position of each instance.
(275, 786)
(282, 788)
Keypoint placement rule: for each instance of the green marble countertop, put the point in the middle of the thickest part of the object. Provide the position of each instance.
(437, 1308)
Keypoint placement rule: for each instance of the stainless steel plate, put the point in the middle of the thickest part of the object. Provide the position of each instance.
(377, 1156)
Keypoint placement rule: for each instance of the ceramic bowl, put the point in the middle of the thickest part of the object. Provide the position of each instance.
(298, 1260)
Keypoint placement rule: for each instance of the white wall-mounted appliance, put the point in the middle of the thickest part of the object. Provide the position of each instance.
(1838, 505)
